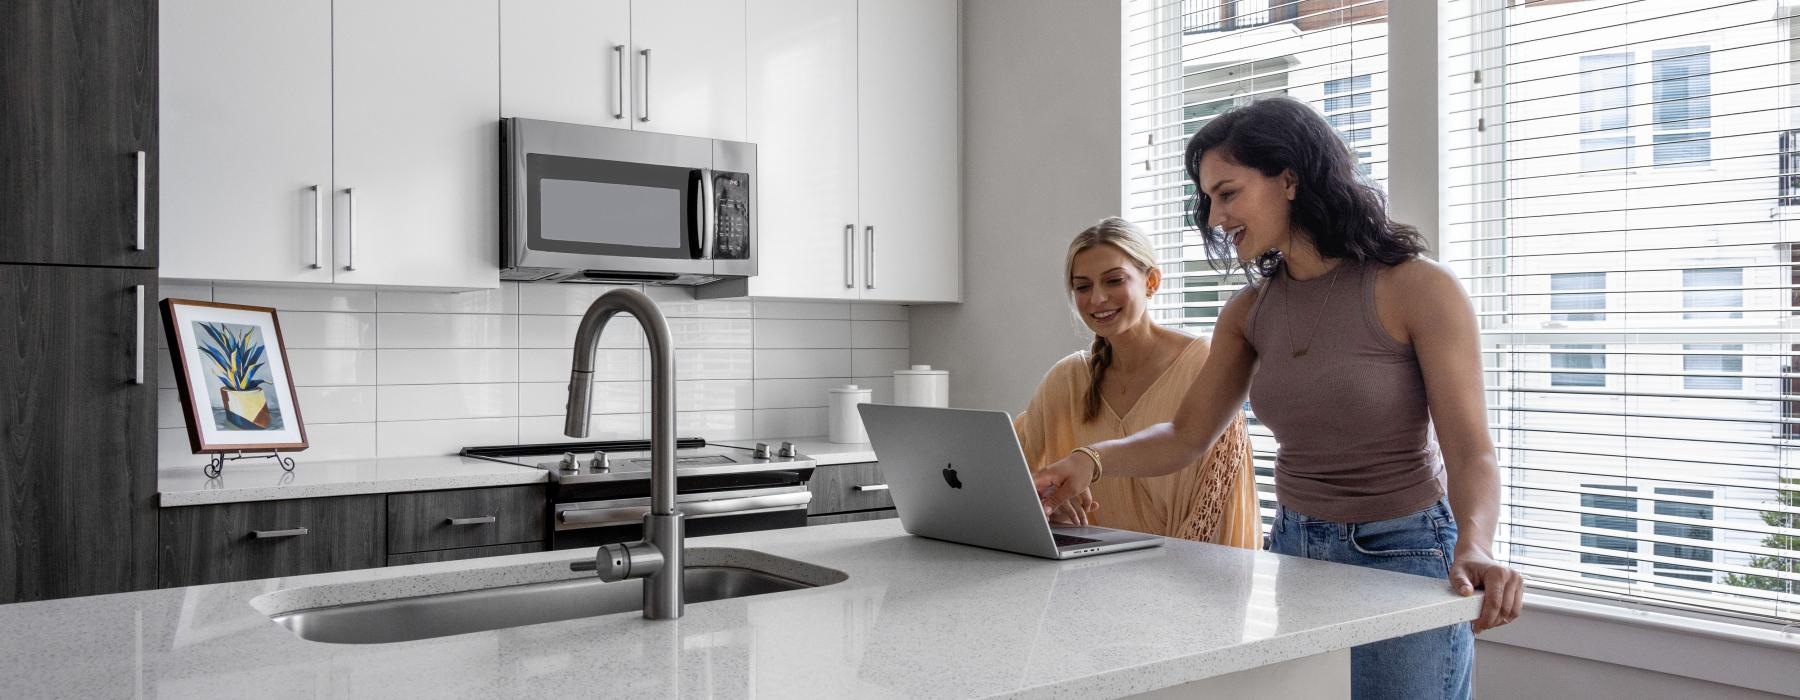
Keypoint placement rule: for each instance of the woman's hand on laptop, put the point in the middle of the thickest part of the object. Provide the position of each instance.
(1075, 510)
(1063, 480)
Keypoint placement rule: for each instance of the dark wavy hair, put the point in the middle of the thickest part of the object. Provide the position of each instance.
(1344, 212)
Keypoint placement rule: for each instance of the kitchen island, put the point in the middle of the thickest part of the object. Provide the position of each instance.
(913, 618)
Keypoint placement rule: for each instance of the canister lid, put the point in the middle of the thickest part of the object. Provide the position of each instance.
(921, 369)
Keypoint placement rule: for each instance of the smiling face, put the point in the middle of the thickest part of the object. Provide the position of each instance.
(1109, 290)
(1252, 208)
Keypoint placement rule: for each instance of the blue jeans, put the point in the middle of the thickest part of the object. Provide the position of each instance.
(1433, 664)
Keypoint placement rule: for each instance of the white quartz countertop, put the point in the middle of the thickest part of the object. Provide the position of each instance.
(263, 480)
(818, 447)
(915, 618)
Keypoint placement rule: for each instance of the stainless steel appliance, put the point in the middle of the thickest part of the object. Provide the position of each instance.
(596, 204)
(600, 491)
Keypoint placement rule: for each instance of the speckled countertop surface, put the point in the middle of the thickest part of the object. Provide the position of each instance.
(262, 480)
(915, 618)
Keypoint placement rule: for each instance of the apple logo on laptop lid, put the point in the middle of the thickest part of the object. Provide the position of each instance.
(950, 476)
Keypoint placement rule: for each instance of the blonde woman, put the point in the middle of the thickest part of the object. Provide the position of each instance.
(1134, 376)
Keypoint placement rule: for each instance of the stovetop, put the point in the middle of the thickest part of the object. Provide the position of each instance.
(630, 459)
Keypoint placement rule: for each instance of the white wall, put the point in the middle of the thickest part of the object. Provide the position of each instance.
(1041, 126)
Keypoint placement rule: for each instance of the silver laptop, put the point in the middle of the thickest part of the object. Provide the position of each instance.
(959, 475)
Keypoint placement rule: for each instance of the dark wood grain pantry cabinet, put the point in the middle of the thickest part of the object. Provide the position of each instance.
(78, 132)
(77, 431)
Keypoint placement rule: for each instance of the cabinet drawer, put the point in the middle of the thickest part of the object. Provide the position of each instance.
(265, 539)
(851, 517)
(428, 520)
(844, 487)
(498, 550)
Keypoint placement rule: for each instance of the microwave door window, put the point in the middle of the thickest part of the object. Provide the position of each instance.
(608, 208)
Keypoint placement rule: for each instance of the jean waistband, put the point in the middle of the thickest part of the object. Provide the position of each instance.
(1285, 514)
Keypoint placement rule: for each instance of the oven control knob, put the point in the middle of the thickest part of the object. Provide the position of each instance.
(601, 463)
(762, 450)
(788, 450)
(569, 464)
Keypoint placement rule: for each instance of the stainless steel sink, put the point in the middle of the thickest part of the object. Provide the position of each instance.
(445, 614)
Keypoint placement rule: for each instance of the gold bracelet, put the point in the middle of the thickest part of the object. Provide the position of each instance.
(1092, 454)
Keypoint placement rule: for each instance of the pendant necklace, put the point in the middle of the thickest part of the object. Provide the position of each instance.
(1301, 351)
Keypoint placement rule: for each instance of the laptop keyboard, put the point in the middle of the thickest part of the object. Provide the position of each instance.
(1071, 540)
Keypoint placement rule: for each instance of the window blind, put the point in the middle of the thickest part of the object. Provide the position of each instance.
(1189, 60)
(1622, 207)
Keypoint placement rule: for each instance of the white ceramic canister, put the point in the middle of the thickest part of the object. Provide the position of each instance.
(922, 386)
(845, 423)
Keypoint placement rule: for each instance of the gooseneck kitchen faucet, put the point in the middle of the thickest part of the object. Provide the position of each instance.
(658, 557)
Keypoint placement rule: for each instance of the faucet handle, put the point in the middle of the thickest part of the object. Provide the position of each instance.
(762, 450)
(788, 450)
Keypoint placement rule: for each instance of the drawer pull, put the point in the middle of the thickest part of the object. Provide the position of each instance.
(869, 487)
(270, 534)
(483, 520)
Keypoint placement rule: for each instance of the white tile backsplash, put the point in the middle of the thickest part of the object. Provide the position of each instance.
(401, 373)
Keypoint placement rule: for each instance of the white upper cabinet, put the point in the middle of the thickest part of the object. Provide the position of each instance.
(388, 108)
(802, 78)
(416, 148)
(689, 67)
(567, 61)
(909, 174)
(245, 140)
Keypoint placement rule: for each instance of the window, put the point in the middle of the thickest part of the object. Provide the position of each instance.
(1186, 62)
(1562, 284)
(1605, 94)
(1681, 104)
(1561, 358)
(1731, 296)
(1609, 222)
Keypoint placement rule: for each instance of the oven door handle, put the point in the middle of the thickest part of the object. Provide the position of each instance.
(634, 514)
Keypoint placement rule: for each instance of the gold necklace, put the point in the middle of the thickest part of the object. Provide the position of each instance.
(1320, 314)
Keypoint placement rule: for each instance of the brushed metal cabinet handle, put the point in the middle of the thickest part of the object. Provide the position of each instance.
(619, 64)
(483, 520)
(849, 256)
(318, 262)
(869, 487)
(869, 268)
(142, 159)
(350, 229)
(137, 338)
(646, 54)
(272, 534)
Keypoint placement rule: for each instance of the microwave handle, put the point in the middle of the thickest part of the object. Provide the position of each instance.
(700, 189)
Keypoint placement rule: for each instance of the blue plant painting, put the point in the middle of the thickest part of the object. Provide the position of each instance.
(236, 359)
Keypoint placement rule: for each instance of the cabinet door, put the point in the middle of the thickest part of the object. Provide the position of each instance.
(802, 96)
(909, 176)
(264, 539)
(416, 142)
(566, 61)
(692, 83)
(246, 140)
(77, 431)
(430, 520)
(79, 104)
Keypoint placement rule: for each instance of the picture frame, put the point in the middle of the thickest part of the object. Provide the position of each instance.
(232, 375)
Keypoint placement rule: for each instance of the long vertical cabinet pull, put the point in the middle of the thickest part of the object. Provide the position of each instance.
(350, 229)
(849, 256)
(619, 63)
(137, 340)
(318, 262)
(869, 267)
(646, 54)
(142, 172)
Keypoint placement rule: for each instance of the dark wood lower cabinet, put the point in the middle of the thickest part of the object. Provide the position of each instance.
(851, 517)
(77, 431)
(428, 520)
(264, 539)
(847, 493)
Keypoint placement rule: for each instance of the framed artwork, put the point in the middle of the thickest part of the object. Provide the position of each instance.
(231, 371)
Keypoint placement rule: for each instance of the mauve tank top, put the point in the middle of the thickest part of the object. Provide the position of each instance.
(1350, 413)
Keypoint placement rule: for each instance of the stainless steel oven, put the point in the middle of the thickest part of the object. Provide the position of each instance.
(598, 204)
(600, 491)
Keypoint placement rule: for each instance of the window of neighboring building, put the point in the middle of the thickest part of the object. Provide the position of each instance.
(1565, 301)
(1681, 105)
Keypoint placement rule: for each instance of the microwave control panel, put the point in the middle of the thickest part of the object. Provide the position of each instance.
(732, 240)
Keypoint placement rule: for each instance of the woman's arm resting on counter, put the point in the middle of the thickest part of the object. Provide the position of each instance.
(1216, 397)
(1441, 325)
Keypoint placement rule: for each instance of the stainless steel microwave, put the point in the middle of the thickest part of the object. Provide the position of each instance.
(597, 204)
